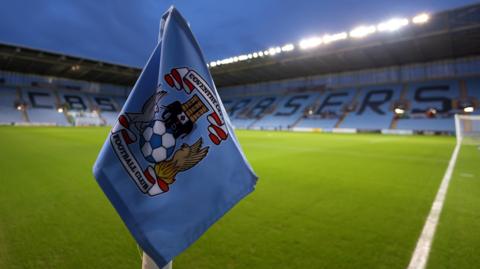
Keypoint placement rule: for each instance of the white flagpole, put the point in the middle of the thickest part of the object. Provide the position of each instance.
(148, 263)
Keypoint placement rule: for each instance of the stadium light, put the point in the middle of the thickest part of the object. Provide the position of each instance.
(392, 25)
(421, 18)
(272, 51)
(310, 42)
(468, 109)
(399, 111)
(362, 31)
(288, 47)
(335, 37)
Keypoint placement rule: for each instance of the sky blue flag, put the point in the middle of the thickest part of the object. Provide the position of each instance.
(172, 166)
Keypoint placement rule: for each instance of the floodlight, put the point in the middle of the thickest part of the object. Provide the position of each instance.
(468, 109)
(399, 111)
(392, 25)
(60, 110)
(362, 31)
(272, 51)
(421, 18)
(288, 47)
(335, 37)
(310, 42)
(227, 61)
(19, 107)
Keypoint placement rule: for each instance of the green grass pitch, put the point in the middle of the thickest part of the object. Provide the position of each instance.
(322, 201)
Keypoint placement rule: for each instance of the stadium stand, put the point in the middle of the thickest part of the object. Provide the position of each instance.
(326, 102)
(413, 79)
(329, 109)
(472, 96)
(429, 94)
(106, 107)
(8, 111)
(437, 96)
(36, 100)
(288, 112)
(373, 108)
(42, 107)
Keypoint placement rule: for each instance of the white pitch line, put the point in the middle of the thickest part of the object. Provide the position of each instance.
(420, 255)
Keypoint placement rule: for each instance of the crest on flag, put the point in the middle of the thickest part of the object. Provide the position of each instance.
(156, 130)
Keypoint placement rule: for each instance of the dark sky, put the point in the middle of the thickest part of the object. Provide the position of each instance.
(125, 31)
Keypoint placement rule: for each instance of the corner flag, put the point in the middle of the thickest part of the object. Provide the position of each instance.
(172, 166)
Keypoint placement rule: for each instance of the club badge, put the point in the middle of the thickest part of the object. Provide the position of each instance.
(157, 132)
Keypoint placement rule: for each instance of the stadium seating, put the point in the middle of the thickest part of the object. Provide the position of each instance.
(373, 108)
(473, 94)
(424, 124)
(236, 107)
(368, 108)
(42, 107)
(287, 112)
(75, 100)
(328, 109)
(246, 111)
(47, 116)
(8, 113)
(429, 104)
(437, 95)
(109, 117)
(108, 107)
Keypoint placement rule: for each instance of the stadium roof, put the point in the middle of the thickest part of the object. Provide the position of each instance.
(33, 61)
(449, 34)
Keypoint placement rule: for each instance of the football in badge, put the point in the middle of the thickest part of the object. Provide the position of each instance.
(157, 142)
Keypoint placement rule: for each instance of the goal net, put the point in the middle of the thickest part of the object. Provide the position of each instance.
(467, 129)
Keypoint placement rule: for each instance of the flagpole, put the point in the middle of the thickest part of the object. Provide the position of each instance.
(148, 263)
